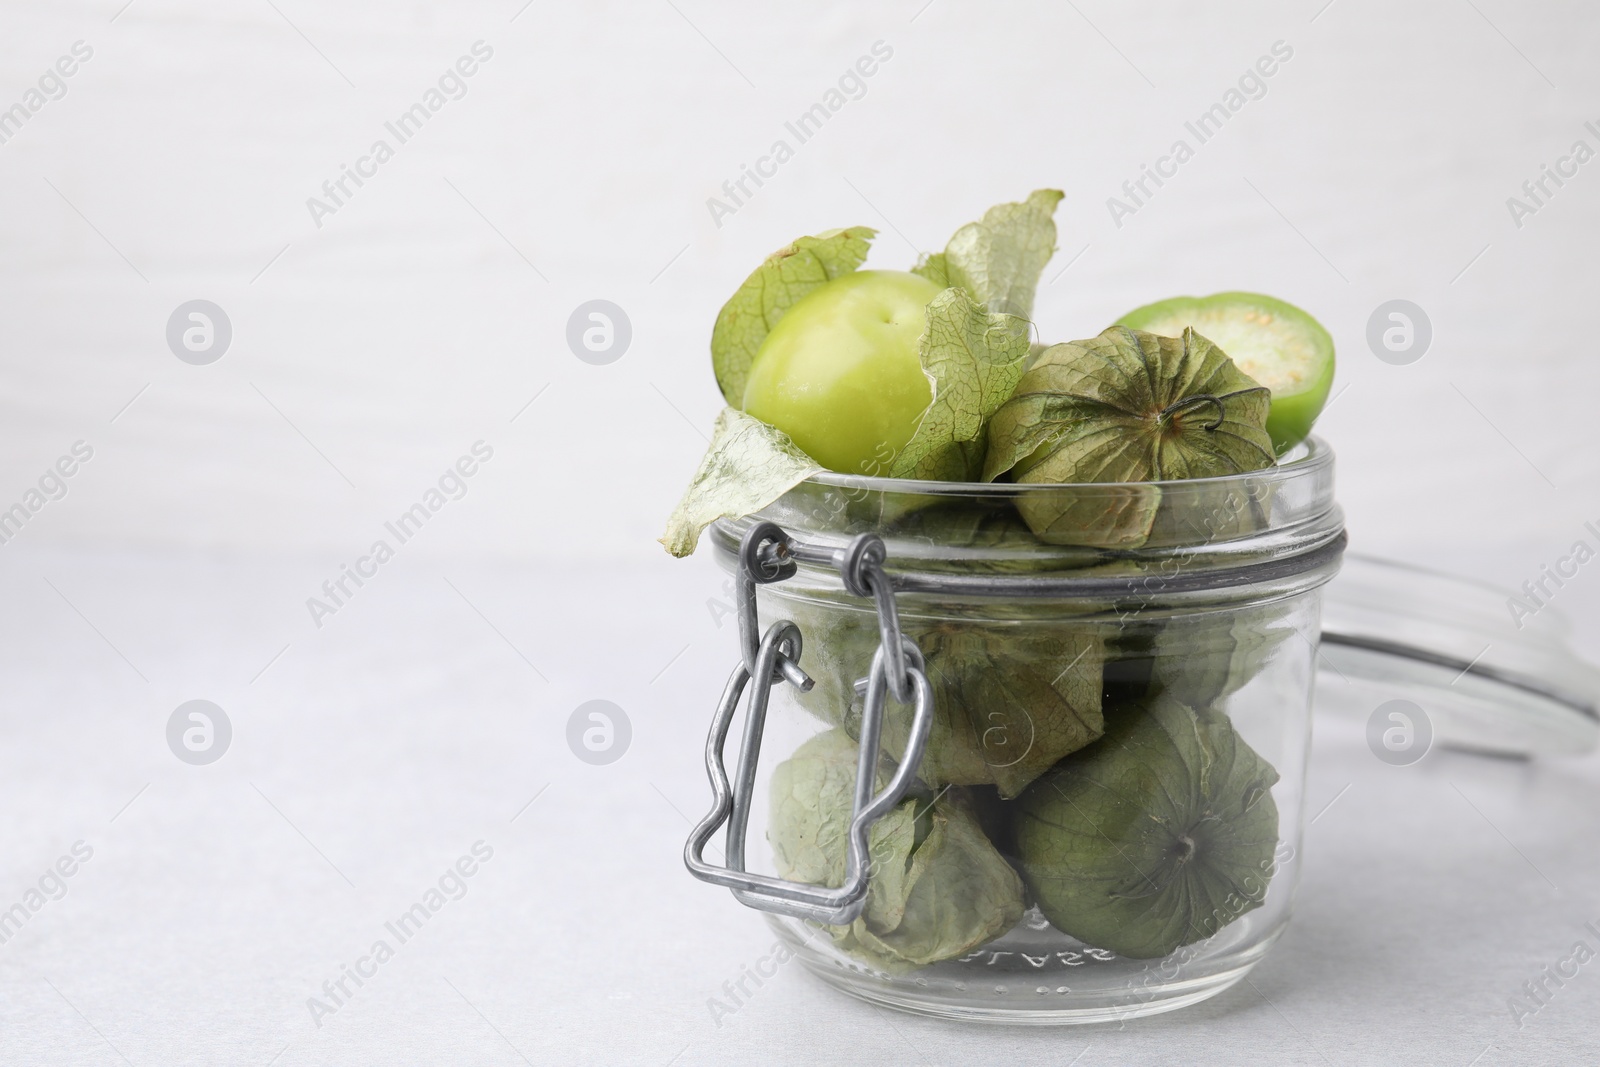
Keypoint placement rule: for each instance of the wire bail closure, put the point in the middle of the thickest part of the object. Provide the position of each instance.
(766, 555)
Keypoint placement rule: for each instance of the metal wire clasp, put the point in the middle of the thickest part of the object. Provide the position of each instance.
(765, 555)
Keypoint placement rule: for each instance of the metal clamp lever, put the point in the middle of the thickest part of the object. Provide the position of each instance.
(763, 558)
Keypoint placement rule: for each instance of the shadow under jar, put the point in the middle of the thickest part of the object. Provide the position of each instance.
(1089, 805)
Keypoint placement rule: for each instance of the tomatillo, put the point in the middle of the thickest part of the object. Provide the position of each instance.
(1274, 342)
(840, 373)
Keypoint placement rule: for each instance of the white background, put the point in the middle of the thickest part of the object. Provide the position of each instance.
(369, 353)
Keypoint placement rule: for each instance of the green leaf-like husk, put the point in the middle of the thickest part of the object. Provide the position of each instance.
(937, 889)
(1155, 837)
(1124, 407)
(747, 466)
(973, 360)
(999, 258)
(1008, 702)
(770, 291)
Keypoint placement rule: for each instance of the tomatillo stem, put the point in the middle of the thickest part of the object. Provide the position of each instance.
(1194, 401)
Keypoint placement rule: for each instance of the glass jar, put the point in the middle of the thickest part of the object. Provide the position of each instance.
(1090, 804)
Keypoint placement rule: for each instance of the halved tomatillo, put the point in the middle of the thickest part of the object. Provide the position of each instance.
(1274, 342)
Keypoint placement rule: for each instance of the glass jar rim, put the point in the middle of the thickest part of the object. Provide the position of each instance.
(1212, 538)
(1309, 459)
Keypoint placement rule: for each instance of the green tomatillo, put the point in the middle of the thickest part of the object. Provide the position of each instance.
(1272, 341)
(1156, 836)
(840, 372)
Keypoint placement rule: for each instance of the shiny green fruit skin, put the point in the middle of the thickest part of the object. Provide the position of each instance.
(1273, 342)
(840, 373)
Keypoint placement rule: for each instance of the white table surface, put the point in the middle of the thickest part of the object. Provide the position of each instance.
(374, 753)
